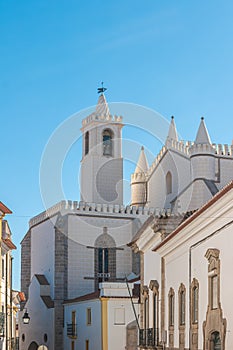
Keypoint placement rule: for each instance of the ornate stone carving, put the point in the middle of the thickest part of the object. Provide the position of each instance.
(214, 323)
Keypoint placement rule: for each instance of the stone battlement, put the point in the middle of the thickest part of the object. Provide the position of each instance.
(138, 177)
(101, 117)
(65, 207)
(186, 148)
(223, 150)
(179, 146)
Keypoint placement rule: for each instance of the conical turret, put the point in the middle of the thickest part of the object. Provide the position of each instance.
(202, 134)
(142, 164)
(172, 133)
(202, 155)
(138, 181)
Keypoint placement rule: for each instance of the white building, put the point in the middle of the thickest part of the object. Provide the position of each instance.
(72, 246)
(184, 175)
(186, 290)
(102, 320)
(8, 298)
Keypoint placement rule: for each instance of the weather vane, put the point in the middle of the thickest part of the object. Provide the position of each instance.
(101, 89)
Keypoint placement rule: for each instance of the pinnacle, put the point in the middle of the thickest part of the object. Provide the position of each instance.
(202, 134)
(172, 133)
(142, 164)
(102, 106)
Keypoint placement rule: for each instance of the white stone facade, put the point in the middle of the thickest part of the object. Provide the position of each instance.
(198, 170)
(73, 246)
(197, 255)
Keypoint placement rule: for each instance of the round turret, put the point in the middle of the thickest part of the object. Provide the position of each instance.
(138, 182)
(202, 155)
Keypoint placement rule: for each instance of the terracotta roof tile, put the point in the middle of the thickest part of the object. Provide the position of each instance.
(9, 243)
(4, 209)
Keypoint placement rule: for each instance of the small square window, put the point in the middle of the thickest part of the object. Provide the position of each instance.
(119, 316)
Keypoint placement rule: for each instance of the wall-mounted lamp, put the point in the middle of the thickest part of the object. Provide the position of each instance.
(26, 317)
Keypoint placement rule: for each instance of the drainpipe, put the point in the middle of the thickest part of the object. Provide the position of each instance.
(132, 303)
(190, 264)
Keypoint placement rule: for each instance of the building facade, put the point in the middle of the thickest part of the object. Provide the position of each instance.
(186, 290)
(102, 320)
(182, 292)
(184, 175)
(72, 247)
(8, 298)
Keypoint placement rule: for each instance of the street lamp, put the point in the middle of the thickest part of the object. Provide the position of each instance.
(26, 317)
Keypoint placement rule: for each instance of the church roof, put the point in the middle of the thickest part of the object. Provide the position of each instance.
(90, 296)
(202, 134)
(142, 164)
(102, 106)
(172, 133)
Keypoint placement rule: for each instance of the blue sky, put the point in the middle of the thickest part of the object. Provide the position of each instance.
(174, 57)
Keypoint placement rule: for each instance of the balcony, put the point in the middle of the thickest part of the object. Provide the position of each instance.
(71, 330)
(149, 337)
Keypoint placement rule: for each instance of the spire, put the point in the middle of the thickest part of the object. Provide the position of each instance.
(102, 106)
(142, 165)
(202, 134)
(172, 133)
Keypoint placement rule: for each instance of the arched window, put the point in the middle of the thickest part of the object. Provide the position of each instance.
(171, 305)
(145, 293)
(107, 142)
(182, 305)
(195, 304)
(33, 346)
(169, 182)
(154, 286)
(105, 258)
(194, 311)
(103, 262)
(86, 142)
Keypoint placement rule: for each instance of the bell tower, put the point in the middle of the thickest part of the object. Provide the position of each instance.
(102, 163)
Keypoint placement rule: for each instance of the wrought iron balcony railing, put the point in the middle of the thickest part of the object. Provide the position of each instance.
(149, 337)
(71, 330)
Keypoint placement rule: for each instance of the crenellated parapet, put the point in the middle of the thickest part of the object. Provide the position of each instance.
(101, 117)
(138, 177)
(223, 150)
(82, 208)
(201, 148)
(177, 146)
(216, 149)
